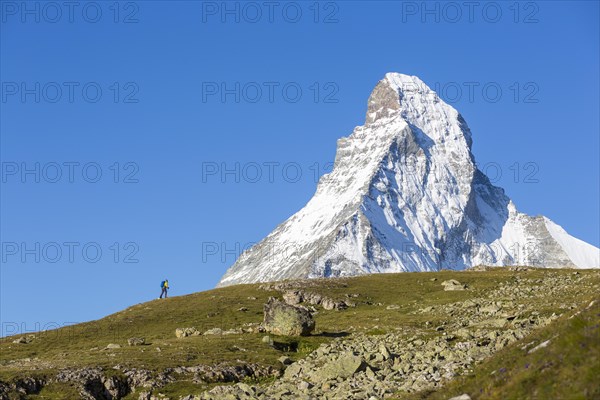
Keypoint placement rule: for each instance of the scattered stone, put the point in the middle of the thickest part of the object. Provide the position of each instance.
(392, 307)
(303, 385)
(214, 331)
(343, 367)
(232, 331)
(539, 346)
(328, 304)
(453, 284)
(293, 370)
(383, 350)
(293, 297)
(244, 309)
(185, 332)
(112, 346)
(461, 397)
(493, 322)
(24, 339)
(490, 309)
(370, 374)
(136, 341)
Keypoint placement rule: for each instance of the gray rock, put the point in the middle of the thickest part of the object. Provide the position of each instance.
(493, 322)
(461, 397)
(303, 385)
(328, 304)
(343, 367)
(284, 319)
(383, 350)
(184, 332)
(136, 341)
(370, 374)
(490, 309)
(464, 333)
(293, 371)
(24, 339)
(247, 389)
(539, 346)
(453, 284)
(293, 297)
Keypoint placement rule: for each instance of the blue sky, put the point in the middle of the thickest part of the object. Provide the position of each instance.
(128, 119)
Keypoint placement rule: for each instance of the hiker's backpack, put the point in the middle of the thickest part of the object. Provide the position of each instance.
(162, 284)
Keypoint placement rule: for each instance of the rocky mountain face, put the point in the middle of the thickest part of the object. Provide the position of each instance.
(405, 194)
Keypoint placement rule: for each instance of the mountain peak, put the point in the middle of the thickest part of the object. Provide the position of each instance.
(391, 91)
(405, 194)
(420, 106)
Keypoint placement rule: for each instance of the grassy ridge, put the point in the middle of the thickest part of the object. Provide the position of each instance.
(83, 345)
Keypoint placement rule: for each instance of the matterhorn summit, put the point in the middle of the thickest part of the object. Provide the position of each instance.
(405, 195)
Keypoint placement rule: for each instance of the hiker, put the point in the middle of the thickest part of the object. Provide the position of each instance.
(164, 285)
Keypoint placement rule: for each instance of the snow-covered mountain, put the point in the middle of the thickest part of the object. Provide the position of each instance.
(405, 195)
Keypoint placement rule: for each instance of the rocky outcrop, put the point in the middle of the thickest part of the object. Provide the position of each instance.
(295, 293)
(93, 384)
(283, 319)
(97, 384)
(21, 387)
(24, 339)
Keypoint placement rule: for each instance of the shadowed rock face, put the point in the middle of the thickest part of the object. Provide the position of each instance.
(405, 194)
(382, 102)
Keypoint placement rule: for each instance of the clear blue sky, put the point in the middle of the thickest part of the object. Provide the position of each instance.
(161, 118)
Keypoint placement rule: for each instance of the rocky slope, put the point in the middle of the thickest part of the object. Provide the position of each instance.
(373, 367)
(405, 195)
(373, 337)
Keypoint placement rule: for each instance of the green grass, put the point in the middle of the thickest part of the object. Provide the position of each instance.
(56, 391)
(81, 345)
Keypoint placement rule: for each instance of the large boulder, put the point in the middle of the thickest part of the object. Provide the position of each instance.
(287, 320)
